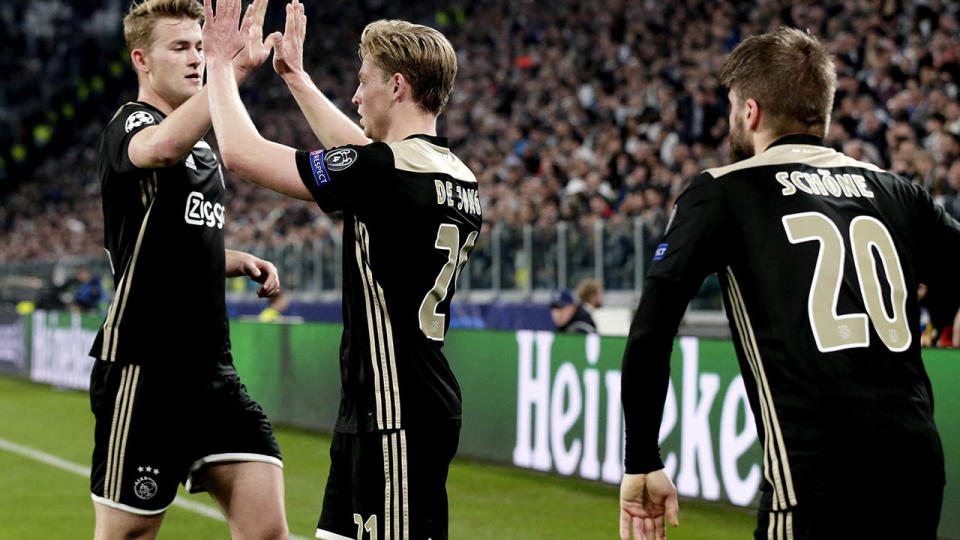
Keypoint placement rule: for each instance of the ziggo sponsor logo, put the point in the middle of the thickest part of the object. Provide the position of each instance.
(200, 211)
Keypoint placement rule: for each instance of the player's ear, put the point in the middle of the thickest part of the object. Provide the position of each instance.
(752, 112)
(138, 57)
(400, 85)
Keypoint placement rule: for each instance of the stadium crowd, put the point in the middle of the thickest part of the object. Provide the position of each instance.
(568, 111)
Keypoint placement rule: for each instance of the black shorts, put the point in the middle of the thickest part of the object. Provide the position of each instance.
(388, 484)
(157, 425)
(903, 508)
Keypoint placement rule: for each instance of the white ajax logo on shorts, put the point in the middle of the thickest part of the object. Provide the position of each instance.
(138, 119)
(145, 487)
(340, 159)
(200, 211)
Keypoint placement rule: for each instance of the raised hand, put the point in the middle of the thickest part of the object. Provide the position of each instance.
(288, 48)
(221, 34)
(255, 49)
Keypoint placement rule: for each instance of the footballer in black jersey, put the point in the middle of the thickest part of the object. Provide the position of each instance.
(412, 213)
(168, 403)
(153, 216)
(819, 257)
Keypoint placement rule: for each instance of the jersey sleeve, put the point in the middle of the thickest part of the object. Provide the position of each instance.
(340, 178)
(692, 245)
(692, 248)
(116, 141)
(938, 238)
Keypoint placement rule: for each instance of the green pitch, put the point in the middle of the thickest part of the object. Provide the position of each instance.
(41, 500)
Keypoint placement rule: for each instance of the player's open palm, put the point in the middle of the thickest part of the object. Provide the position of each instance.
(255, 49)
(645, 500)
(288, 48)
(221, 35)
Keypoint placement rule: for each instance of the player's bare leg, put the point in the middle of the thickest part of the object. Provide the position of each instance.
(114, 524)
(251, 496)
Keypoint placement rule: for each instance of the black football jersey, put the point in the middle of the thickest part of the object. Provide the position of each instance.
(411, 216)
(163, 231)
(819, 257)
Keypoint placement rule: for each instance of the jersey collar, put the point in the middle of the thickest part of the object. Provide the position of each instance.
(438, 141)
(145, 104)
(798, 138)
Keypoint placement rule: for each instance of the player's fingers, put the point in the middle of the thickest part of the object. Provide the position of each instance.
(231, 9)
(207, 11)
(624, 524)
(648, 528)
(637, 526)
(260, 13)
(271, 40)
(303, 24)
(248, 15)
(264, 292)
(672, 509)
(659, 529)
(272, 278)
(290, 25)
(277, 46)
(295, 18)
(254, 29)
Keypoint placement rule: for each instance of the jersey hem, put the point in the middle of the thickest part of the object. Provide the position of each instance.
(127, 508)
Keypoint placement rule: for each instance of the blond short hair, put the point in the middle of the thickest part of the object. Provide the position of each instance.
(139, 22)
(789, 73)
(587, 288)
(421, 54)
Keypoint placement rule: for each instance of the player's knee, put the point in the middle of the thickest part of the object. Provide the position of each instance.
(140, 531)
(277, 531)
(126, 527)
(132, 532)
(265, 529)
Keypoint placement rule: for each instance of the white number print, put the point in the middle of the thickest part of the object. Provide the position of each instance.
(370, 526)
(834, 332)
(432, 324)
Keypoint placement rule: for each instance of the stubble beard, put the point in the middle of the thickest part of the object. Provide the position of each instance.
(741, 146)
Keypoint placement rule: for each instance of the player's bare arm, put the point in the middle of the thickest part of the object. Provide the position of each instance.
(165, 144)
(329, 124)
(242, 148)
(241, 263)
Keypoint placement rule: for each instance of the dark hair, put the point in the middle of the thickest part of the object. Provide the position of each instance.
(789, 73)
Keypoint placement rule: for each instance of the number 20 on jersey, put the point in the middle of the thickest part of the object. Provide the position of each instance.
(834, 332)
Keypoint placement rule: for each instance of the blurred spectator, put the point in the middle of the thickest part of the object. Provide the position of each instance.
(569, 315)
(89, 291)
(279, 303)
(590, 293)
